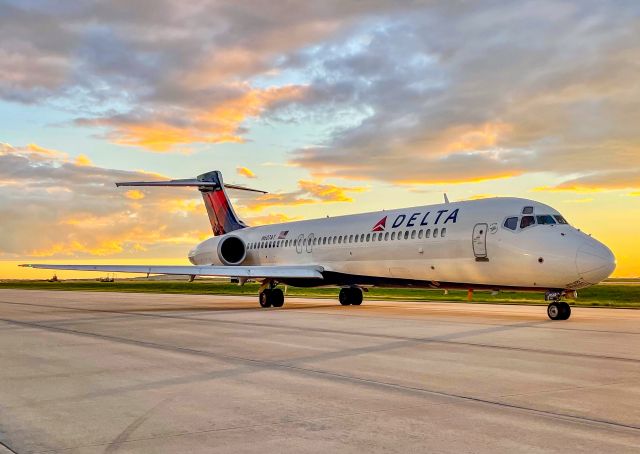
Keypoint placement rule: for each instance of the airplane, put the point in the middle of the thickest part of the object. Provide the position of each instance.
(500, 243)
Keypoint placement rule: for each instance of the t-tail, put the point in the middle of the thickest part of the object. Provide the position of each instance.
(221, 214)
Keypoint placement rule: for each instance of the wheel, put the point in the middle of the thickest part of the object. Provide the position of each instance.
(566, 310)
(265, 298)
(356, 296)
(277, 297)
(344, 296)
(555, 311)
(350, 295)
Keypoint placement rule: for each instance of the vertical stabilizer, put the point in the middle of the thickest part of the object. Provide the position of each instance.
(221, 215)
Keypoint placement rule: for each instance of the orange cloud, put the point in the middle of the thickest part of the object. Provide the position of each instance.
(329, 192)
(309, 193)
(245, 172)
(134, 194)
(465, 138)
(481, 196)
(597, 182)
(219, 123)
(274, 218)
(83, 160)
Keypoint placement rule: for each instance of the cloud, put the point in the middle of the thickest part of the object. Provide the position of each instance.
(134, 194)
(403, 92)
(596, 182)
(245, 172)
(83, 160)
(309, 193)
(273, 218)
(163, 75)
(52, 206)
(215, 123)
(328, 192)
(467, 92)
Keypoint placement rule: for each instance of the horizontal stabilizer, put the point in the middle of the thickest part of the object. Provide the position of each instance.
(275, 272)
(187, 182)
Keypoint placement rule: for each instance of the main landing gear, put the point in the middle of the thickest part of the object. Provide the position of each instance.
(350, 296)
(271, 297)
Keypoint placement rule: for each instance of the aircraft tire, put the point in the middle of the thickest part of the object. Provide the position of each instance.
(356, 296)
(566, 310)
(265, 298)
(345, 296)
(554, 311)
(277, 297)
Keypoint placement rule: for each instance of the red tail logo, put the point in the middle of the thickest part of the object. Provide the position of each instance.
(380, 225)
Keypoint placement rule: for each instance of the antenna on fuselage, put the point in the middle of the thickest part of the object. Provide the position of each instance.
(446, 199)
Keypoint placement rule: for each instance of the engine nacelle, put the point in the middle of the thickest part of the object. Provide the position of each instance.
(220, 250)
(231, 250)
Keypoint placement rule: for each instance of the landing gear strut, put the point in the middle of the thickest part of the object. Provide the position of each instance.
(559, 310)
(350, 296)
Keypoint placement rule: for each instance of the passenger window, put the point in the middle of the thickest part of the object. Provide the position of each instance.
(427, 233)
(373, 237)
(362, 238)
(368, 237)
(527, 210)
(420, 232)
(350, 238)
(527, 221)
(511, 223)
(545, 219)
(340, 239)
(435, 233)
(443, 232)
(406, 235)
(386, 236)
(393, 235)
(413, 234)
(380, 236)
(560, 219)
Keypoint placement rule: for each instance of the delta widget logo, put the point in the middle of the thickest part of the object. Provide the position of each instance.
(380, 225)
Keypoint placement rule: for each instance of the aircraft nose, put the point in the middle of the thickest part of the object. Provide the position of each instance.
(595, 261)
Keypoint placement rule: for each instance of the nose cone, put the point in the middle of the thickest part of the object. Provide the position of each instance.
(595, 262)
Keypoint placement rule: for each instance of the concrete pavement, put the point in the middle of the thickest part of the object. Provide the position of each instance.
(88, 372)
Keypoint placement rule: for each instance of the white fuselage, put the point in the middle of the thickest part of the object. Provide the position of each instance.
(460, 244)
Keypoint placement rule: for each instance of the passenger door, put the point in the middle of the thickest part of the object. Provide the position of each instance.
(479, 241)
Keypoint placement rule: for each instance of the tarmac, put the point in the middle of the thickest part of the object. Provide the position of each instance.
(90, 372)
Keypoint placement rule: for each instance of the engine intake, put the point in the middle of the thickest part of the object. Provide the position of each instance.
(231, 250)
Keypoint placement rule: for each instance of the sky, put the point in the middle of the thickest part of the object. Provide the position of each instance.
(334, 107)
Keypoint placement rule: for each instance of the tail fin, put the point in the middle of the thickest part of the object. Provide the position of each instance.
(221, 215)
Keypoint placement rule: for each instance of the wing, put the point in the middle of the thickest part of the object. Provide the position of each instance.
(275, 272)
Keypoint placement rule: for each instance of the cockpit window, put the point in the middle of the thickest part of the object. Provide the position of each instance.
(526, 221)
(527, 210)
(545, 219)
(511, 223)
(560, 219)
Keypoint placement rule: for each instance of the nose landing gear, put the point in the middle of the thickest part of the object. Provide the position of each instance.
(557, 310)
